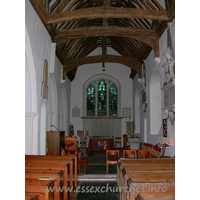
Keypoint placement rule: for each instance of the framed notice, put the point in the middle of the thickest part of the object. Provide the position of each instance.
(129, 128)
(164, 127)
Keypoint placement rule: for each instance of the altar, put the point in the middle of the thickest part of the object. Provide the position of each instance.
(100, 143)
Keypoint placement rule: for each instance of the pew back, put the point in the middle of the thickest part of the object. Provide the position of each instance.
(39, 190)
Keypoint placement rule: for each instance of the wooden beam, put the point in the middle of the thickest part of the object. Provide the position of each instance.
(171, 11)
(133, 63)
(133, 74)
(104, 47)
(149, 37)
(163, 25)
(40, 9)
(99, 31)
(106, 12)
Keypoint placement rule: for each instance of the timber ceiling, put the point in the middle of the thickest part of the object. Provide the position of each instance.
(130, 27)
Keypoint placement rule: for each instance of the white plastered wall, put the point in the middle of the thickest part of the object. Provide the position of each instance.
(38, 50)
(117, 71)
(153, 68)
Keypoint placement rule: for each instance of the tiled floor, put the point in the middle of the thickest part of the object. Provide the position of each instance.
(93, 189)
(98, 190)
(96, 163)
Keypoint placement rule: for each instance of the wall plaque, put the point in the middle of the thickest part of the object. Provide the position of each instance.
(45, 86)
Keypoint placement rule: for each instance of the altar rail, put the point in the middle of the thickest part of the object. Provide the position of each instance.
(156, 152)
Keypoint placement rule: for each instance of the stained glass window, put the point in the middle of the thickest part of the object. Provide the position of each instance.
(113, 100)
(102, 98)
(90, 99)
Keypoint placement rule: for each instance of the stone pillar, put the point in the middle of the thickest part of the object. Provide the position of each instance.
(29, 119)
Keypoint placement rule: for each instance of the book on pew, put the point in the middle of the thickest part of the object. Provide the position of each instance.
(45, 178)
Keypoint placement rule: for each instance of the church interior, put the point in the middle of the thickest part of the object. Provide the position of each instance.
(100, 99)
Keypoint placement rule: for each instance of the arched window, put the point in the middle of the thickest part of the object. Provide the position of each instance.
(102, 98)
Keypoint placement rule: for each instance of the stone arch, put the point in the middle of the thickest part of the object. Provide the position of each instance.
(31, 110)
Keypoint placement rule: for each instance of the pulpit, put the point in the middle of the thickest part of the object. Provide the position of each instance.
(55, 140)
(83, 136)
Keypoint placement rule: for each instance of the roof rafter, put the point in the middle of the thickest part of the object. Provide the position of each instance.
(108, 12)
(72, 64)
(149, 37)
(132, 28)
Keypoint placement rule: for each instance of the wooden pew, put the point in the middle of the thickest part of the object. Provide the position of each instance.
(141, 163)
(39, 189)
(147, 168)
(139, 168)
(55, 177)
(47, 168)
(129, 161)
(57, 193)
(51, 162)
(152, 185)
(63, 160)
(33, 196)
(36, 181)
(125, 174)
(73, 166)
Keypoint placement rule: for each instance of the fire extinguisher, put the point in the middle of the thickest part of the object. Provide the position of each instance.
(48, 153)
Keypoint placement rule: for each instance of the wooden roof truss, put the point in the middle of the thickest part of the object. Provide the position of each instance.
(131, 27)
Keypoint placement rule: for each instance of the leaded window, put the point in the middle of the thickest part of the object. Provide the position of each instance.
(102, 98)
(90, 106)
(113, 100)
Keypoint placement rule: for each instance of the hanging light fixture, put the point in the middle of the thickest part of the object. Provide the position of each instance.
(103, 67)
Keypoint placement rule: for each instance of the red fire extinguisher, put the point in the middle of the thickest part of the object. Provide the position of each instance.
(48, 153)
